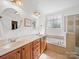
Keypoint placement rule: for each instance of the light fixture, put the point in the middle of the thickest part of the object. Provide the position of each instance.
(13, 1)
(17, 2)
(36, 13)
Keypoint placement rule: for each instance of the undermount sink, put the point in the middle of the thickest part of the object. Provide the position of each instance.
(18, 39)
(14, 40)
(4, 42)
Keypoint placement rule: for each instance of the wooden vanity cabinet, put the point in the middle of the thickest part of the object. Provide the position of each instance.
(13, 55)
(21, 53)
(26, 51)
(0, 58)
(29, 51)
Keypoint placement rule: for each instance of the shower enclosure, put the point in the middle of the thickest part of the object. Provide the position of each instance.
(73, 26)
(77, 33)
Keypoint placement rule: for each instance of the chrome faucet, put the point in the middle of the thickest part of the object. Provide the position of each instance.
(12, 40)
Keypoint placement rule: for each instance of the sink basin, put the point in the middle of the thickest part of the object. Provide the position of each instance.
(18, 39)
(7, 41)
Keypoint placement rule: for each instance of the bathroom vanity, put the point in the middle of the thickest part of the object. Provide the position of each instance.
(26, 48)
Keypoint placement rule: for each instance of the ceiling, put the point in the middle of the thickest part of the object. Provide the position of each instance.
(50, 6)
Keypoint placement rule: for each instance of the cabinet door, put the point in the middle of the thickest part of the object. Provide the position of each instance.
(26, 51)
(44, 43)
(0, 58)
(13, 55)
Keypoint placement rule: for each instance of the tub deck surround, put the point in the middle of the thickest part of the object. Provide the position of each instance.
(58, 40)
(21, 41)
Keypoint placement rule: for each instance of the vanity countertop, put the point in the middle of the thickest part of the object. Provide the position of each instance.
(21, 41)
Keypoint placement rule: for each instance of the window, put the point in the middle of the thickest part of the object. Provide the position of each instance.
(54, 22)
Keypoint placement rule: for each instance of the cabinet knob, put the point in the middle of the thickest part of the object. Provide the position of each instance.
(18, 51)
(23, 48)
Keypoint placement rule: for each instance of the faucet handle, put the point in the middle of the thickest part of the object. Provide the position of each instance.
(11, 40)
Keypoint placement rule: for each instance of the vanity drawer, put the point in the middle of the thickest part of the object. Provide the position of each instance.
(37, 50)
(36, 46)
(36, 41)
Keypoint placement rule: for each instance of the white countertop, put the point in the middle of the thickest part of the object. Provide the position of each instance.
(21, 41)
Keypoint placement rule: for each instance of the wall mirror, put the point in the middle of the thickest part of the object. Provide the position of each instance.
(10, 19)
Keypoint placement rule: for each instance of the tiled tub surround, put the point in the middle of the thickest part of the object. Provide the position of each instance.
(57, 40)
(6, 48)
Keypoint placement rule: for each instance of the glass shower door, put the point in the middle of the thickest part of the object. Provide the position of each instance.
(77, 30)
(77, 33)
(70, 23)
(73, 27)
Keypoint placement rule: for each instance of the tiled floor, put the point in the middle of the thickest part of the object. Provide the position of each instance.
(54, 55)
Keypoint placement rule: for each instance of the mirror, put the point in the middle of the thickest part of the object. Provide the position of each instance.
(10, 19)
